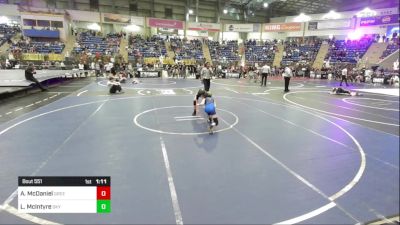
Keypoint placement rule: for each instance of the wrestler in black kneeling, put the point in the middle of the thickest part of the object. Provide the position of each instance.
(115, 86)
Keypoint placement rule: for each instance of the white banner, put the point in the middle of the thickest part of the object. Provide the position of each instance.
(125, 19)
(243, 27)
(197, 33)
(137, 20)
(334, 24)
(216, 27)
(84, 16)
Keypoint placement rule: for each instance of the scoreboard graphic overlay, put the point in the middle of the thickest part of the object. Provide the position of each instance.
(64, 194)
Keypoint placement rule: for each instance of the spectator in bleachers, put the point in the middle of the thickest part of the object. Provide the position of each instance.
(227, 51)
(391, 48)
(260, 53)
(349, 51)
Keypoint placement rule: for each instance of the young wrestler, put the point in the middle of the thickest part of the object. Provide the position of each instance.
(200, 94)
(341, 91)
(114, 85)
(210, 108)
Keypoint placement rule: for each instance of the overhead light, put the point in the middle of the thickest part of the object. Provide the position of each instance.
(367, 12)
(331, 15)
(94, 26)
(4, 20)
(265, 4)
(190, 11)
(132, 28)
(225, 11)
(355, 35)
(302, 18)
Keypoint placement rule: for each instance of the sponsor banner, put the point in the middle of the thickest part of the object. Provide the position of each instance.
(334, 24)
(125, 19)
(151, 74)
(379, 20)
(242, 27)
(200, 33)
(216, 27)
(387, 11)
(167, 31)
(279, 27)
(44, 11)
(232, 75)
(86, 16)
(137, 20)
(162, 23)
(312, 25)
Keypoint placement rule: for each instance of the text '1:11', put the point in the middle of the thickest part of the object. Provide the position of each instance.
(101, 181)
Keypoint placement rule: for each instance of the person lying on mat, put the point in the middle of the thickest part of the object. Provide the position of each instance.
(342, 91)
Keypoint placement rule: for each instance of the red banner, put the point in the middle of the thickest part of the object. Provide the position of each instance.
(171, 24)
(278, 27)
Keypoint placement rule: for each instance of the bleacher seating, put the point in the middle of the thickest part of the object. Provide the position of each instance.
(392, 47)
(302, 51)
(227, 50)
(91, 43)
(263, 52)
(38, 47)
(147, 48)
(185, 49)
(349, 51)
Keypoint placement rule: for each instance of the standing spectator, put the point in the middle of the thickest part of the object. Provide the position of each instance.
(29, 76)
(287, 74)
(344, 76)
(206, 76)
(265, 71)
(62, 65)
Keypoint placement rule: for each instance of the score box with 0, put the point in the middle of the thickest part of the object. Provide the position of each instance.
(64, 194)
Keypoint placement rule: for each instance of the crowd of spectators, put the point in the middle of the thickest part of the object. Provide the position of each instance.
(146, 47)
(227, 51)
(92, 43)
(302, 51)
(7, 32)
(263, 52)
(348, 51)
(391, 48)
(29, 46)
(187, 49)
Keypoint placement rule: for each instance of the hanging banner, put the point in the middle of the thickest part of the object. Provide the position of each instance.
(312, 25)
(242, 27)
(162, 23)
(86, 16)
(334, 24)
(125, 19)
(214, 27)
(379, 20)
(279, 27)
(197, 33)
